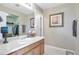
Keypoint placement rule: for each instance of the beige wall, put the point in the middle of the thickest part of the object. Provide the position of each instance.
(60, 36)
(77, 18)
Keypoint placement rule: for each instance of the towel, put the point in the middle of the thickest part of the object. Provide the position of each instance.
(74, 28)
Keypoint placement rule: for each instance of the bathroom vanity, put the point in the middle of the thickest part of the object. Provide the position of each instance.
(23, 46)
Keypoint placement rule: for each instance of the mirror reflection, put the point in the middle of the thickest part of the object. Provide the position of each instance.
(18, 19)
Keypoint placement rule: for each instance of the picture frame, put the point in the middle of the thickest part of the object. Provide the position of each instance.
(56, 20)
(32, 23)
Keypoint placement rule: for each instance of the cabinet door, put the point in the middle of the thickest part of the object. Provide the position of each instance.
(37, 50)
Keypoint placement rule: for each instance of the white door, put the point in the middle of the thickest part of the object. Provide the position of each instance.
(39, 24)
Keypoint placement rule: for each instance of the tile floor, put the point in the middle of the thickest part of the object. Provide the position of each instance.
(51, 50)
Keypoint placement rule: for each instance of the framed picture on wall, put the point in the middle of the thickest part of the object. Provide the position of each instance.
(56, 20)
(32, 22)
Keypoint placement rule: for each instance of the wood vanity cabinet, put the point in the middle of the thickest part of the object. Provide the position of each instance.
(36, 48)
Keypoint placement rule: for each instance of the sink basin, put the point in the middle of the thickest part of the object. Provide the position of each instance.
(23, 41)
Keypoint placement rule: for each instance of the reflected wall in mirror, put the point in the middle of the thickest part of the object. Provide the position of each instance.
(12, 21)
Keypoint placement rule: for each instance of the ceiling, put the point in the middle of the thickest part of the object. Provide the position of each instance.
(45, 6)
(25, 10)
(17, 7)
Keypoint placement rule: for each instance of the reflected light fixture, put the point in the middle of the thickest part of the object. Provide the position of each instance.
(27, 5)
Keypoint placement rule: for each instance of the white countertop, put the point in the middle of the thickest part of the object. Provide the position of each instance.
(16, 43)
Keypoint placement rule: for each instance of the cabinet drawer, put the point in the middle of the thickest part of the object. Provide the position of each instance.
(37, 50)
